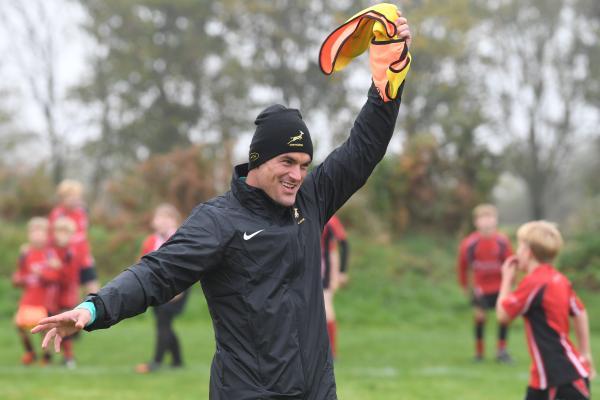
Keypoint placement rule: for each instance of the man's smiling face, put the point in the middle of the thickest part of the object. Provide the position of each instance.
(281, 177)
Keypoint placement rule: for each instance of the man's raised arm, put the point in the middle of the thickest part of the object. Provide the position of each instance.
(349, 166)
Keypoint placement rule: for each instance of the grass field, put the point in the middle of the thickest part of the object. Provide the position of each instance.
(404, 333)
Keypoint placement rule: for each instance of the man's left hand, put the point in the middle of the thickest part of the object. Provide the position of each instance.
(403, 29)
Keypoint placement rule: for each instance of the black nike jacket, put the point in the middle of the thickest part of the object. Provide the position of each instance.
(259, 264)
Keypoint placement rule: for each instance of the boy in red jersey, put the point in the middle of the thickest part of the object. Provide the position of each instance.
(68, 297)
(546, 300)
(38, 274)
(333, 235)
(70, 195)
(165, 222)
(480, 259)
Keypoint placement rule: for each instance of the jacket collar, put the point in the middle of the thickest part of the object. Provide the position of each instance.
(253, 198)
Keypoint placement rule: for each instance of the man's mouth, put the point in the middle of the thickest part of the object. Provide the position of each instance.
(289, 185)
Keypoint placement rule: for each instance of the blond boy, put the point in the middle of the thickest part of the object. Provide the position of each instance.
(547, 302)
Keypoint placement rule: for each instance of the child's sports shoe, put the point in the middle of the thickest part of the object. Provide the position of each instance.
(146, 368)
(28, 358)
(503, 357)
(46, 360)
(70, 363)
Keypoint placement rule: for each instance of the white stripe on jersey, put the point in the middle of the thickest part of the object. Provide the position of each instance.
(537, 358)
(573, 358)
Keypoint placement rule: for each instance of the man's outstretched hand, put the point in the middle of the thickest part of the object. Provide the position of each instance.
(61, 326)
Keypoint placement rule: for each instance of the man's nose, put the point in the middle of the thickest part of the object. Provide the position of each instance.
(295, 172)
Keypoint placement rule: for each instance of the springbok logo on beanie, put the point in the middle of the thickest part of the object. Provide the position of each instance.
(279, 130)
(295, 139)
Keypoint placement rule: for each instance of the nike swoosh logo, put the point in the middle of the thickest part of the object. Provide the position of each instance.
(248, 237)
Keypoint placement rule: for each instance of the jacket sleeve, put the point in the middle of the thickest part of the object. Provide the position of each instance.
(196, 248)
(349, 166)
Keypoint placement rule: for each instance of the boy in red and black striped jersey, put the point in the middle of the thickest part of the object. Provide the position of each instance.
(480, 259)
(546, 301)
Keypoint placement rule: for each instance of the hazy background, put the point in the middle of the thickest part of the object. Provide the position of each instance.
(501, 103)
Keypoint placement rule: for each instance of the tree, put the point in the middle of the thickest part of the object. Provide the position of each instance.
(178, 177)
(35, 38)
(536, 62)
(445, 166)
(167, 74)
(146, 76)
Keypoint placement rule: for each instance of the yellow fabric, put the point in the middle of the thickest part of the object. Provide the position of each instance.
(359, 29)
(369, 28)
(395, 79)
(373, 24)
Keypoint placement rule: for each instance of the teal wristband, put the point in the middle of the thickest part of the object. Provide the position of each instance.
(88, 305)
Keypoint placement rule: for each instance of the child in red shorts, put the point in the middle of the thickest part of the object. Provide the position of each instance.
(38, 275)
(547, 302)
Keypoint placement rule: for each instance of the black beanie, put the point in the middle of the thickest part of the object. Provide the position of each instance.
(279, 130)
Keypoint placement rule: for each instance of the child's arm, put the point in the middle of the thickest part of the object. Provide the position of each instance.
(334, 257)
(18, 279)
(509, 270)
(462, 269)
(19, 276)
(582, 333)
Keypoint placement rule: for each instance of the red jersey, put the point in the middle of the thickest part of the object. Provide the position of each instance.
(68, 296)
(484, 255)
(152, 242)
(333, 232)
(79, 239)
(546, 300)
(38, 274)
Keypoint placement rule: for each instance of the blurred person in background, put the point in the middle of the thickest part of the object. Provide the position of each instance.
(334, 249)
(37, 275)
(71, 257)
(480, 259)
(165, 222)
(547, 302)
(71, 204)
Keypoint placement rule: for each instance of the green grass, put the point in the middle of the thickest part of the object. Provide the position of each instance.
(404, 333)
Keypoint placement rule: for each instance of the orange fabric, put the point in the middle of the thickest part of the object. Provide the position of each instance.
(374, 28)
(388, 60)
(28, 316)
(350, 40)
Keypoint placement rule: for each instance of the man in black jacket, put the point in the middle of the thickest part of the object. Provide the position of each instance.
(256, 252)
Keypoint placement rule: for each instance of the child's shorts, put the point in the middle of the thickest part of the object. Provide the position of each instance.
(28, 316)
